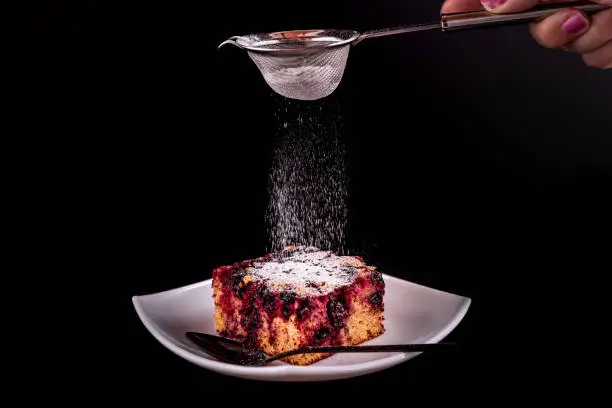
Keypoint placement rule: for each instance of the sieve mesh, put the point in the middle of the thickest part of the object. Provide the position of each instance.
(305, 65)
(308, 75)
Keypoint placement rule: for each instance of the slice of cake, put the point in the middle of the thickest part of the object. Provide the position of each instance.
(299, 297)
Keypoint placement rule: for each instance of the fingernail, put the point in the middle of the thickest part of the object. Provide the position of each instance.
(492, 4)
(574, 25)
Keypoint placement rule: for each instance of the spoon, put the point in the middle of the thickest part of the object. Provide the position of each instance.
(230, 351)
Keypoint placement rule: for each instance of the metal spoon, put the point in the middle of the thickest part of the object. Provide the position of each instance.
(230, 351)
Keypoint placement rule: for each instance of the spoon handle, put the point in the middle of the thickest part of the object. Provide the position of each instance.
(407, 348)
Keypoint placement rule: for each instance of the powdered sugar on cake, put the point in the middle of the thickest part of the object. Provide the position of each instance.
(308, 271)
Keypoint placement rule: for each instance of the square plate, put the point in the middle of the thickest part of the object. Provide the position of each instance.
(413, 314)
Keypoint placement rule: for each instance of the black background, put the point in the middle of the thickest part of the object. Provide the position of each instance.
(479, 164)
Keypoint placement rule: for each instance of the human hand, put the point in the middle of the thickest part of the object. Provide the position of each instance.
(568, 29)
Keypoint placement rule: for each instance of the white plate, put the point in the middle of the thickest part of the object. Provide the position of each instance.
(413, 314)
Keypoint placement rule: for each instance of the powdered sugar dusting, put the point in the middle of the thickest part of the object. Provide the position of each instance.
(308, 272)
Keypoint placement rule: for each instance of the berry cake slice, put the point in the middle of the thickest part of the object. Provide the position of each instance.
(300, 296)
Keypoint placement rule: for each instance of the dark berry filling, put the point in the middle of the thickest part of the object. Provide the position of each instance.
(286, 312)
(287, 299)
(336, 312)
(236, 282)
(303, 309)
(377, 277)
(321, 334)
(251, 321)
(267, 299)
(376, 299)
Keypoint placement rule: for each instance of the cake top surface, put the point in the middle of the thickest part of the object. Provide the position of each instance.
(307, 271)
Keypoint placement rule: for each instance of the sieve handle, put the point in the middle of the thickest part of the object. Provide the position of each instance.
(484, 19)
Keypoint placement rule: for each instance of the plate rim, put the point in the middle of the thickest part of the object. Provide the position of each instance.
(273, 371)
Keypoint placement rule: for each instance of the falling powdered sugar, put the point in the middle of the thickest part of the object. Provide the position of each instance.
(307, 182)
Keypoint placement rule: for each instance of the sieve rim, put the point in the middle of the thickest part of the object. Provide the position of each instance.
(271, 36)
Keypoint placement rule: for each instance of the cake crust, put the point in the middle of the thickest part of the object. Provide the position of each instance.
(299, 297)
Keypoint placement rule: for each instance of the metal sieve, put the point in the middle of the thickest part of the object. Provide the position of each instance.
(309, 64)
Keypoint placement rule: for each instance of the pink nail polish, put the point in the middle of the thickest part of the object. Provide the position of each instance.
(492, 4)
(574, 25)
